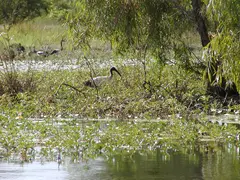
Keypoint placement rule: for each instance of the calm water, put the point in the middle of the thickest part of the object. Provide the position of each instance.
(223, 164)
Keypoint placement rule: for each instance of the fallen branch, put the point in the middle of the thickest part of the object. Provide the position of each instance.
(76, 89)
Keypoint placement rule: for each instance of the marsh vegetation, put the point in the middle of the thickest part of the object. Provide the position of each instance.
(173, 90)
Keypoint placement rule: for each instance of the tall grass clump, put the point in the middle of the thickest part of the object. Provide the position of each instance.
(11, 80)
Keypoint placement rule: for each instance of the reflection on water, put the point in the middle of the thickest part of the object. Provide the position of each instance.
(30, 171)
(223, 164)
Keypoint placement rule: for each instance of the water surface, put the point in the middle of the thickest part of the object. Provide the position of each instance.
(223, 164)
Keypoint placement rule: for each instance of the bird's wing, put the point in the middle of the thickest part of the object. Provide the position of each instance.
(100, 80)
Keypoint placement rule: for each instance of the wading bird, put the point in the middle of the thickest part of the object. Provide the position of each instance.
(42, 53)
(56, 51)
(33, 51)
(99, 80)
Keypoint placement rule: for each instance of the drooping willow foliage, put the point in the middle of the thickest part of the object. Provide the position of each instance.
(128, 25)
(157, 27)
(225, 46)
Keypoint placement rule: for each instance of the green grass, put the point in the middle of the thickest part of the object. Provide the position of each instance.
(39, 32)
(46, 32)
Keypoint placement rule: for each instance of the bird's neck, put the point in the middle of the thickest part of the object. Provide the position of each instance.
(111, 74)
(61, 45)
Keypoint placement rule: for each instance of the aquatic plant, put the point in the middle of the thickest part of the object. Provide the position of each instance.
(82, 140)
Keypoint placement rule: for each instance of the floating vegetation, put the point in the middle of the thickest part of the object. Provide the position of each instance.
(51, 138)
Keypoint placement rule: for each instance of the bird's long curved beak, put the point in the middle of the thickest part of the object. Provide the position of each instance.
(118, 73)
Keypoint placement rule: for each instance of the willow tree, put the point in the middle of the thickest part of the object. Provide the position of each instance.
(155, 27)
(222, 59)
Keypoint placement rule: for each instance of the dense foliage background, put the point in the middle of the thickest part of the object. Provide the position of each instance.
(15, 11)
(197, 39)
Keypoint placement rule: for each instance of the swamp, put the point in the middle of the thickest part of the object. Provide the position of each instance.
(117, 90)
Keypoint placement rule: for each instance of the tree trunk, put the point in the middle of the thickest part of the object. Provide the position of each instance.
(213, 89)
(201, 26)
